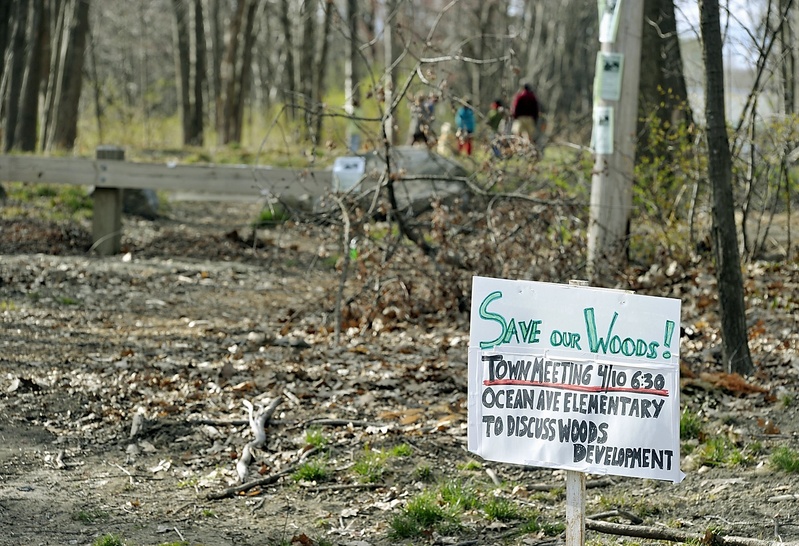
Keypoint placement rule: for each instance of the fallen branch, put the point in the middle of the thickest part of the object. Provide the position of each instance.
(342, 423)
(234, 490)
(677, 535)
(258, 425)
(589, 484)
(342, 487)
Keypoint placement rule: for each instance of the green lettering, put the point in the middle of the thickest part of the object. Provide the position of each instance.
(511, 332)
(486, 315)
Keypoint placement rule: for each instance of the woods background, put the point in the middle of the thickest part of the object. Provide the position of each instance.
(164, 73)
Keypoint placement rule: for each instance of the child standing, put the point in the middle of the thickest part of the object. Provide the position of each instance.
(465, 123)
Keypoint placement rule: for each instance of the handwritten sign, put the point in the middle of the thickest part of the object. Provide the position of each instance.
(573, 377)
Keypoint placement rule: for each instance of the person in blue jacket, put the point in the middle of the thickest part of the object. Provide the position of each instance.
(465, 124)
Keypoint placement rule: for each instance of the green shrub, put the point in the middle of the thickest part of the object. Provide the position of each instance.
(785, 459)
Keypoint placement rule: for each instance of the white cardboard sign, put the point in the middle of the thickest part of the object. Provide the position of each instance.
(573, 377)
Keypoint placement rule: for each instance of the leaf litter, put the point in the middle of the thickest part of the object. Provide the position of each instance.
(127, 384)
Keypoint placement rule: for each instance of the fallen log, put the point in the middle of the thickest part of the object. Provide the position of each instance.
(678, 535)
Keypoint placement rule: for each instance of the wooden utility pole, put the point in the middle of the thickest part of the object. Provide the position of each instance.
(614, 137)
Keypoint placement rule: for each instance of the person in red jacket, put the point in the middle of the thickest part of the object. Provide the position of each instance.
(524, 111)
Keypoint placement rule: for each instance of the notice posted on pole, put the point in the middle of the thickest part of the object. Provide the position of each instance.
(575, 377)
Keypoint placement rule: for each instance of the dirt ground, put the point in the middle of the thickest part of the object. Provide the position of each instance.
(124, 384)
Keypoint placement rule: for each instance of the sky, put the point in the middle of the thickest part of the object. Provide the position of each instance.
(735, 22)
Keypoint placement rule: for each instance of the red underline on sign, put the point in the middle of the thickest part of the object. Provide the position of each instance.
(578, 388)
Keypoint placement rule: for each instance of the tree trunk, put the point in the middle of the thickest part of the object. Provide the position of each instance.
(390, 77)
(289, 83)
(58, 21)
(351, 73)
(236, 71)
(215, 28)
(200, 70)
(321, 69)
(25, 137)
(6, 28)
(65, 130)
(16, 73)
(788, 62)
(183, 66)
(244, 73)
(735, 347)
(663, 88)
(306, 54)
(225, 102)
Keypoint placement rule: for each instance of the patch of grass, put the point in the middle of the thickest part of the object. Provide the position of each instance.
(501, 509)
(470, 466)
(90, 516)
(690, 425)
(424, 472)
(57, 201)
(272, 215)
(6, 305)
(66, 300)
(785, 459)
(533, 524)
(787, 400)
(76, 201)
(109, 540)
(312, 471)
(402, 450)
(208, 513)
(721, 451)
(371, 466)
(640, 506)
(420, 514)
(315, 437)
(440, 509)
(459, 496)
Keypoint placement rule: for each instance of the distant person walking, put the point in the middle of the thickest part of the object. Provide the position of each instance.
(524, 111)
(465, 124)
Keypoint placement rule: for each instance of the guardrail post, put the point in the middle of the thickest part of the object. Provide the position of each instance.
(107, 213)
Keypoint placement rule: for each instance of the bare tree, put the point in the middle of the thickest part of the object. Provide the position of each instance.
(236, 71)
(215, 43)
(788, 62)
(663, 91)
(16, 73)
(289, 83)
(183, 66)
(320, 63)
(352, 60)
(200, 75)
(69, 77)
(26, 131)
(735, 346)
(190, 75)
(390, 77)
(6, 26)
